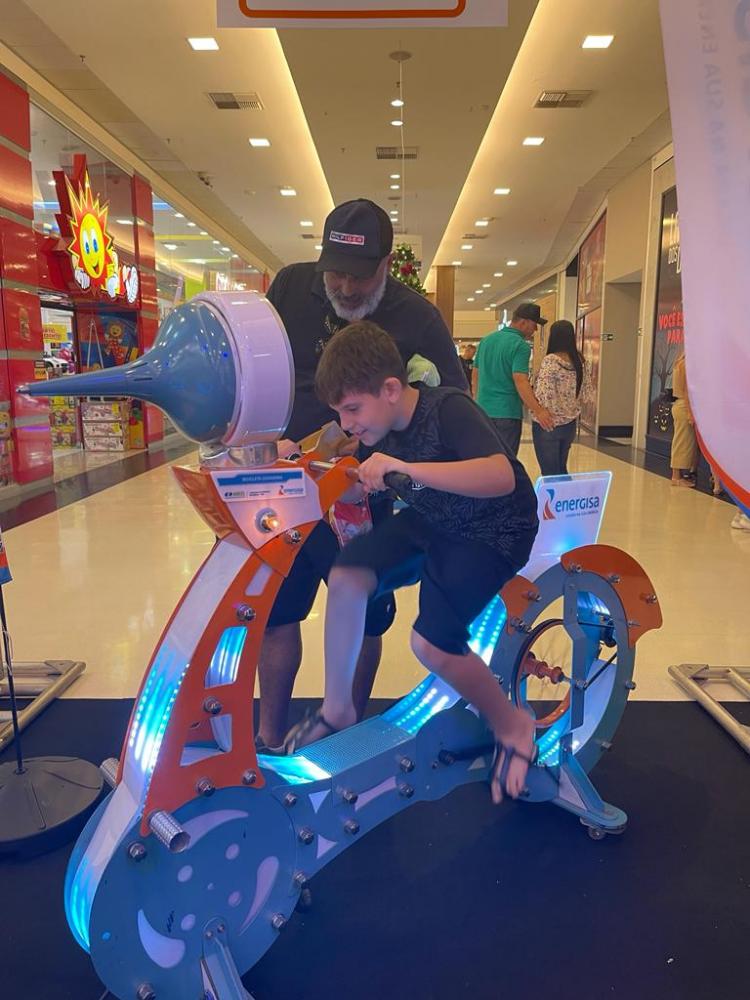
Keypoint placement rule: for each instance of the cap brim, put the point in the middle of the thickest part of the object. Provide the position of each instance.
(542, 321)
(347, 263)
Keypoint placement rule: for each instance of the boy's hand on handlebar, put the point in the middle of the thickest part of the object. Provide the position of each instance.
(374, 468)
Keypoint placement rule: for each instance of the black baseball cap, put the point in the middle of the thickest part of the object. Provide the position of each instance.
(530, 310)
(356, 237)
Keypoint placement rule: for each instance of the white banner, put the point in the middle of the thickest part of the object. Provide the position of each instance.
(373, 14)
(570, 510)
(707, 51)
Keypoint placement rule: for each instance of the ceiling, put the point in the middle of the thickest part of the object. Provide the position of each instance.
(325, 96)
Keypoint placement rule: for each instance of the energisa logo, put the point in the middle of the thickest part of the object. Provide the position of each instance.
(574, 505)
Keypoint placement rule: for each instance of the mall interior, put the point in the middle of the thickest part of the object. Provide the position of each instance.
(162, 162)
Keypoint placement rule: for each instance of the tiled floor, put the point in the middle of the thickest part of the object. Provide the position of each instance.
(70, 462)
(98, 579)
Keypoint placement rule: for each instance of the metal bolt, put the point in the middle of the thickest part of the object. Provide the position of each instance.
(245, 613)
(349, 796)
(575, 568)
(278, 921)
(293, 537)
(605, 744)
(532, 595)
(209, 935)
(301, 880)
(290, 799)
(580, 685)
(146, 992)
(405, 791)
(212, 706)
(632, 623)
(351, 826)
(650, 598)
(221, 928)
(631, 685)
(406, 765)
(306, 835)
(249, 777)
(446, 757)
(613, 578)
(204, 786)
(137, 851)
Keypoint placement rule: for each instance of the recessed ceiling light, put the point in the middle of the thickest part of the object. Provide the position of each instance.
(52, 183)
(257, 143)
(497, 274)
(487, 308)
(306, 222)
(179, 215)
(124, 222)
(395, 187)
(203, 232)
(192, 225)
(397, 103)
(235, 256)
(318, 246)
(394, 212)
(216, 242)
(470, 299)
(203, 44)
(456, 263)
(287, 192)
(225, 249)
(486, 285)
(501, 191)
(482, 222)
(397, 122)
(533, 140)
(597, 41)
(479, 291)
(395, 177)
(493, 305)
(170, 246)
(467, 246)
(511, 263)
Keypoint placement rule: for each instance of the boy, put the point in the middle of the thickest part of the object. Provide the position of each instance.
(469, 527)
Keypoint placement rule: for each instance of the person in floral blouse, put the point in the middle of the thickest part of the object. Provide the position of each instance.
(559, 386)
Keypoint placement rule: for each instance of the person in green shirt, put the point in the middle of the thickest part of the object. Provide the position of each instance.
(501, 376)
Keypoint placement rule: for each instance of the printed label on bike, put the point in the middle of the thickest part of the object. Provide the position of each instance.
(263, 484)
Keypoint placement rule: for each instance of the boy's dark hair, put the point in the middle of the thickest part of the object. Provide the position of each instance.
(358, 358)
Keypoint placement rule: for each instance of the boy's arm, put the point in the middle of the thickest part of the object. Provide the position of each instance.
(491, 476)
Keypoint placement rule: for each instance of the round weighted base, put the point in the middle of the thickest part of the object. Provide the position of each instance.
(47, 804)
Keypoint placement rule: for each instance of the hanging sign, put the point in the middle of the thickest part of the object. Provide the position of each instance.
(373, 14)
(5, 576)
(96, 265)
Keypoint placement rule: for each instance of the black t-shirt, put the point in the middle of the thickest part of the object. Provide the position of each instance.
(298, 294)
(448, 426)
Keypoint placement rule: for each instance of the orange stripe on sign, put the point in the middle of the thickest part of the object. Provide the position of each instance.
(363, 15)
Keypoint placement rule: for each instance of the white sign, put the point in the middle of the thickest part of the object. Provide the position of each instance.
(570, 510)
(265, 484)
(707, 53)
(373, 14)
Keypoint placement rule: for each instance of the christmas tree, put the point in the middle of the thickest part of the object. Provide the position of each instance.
(404, 266)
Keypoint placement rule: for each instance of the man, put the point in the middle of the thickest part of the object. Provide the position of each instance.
(350, 281)
(501, 376)
(467, 361)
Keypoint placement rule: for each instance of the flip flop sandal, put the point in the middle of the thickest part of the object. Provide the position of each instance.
(499, 772)
(296, 738)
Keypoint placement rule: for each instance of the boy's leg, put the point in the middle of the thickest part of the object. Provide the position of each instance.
(460, 577)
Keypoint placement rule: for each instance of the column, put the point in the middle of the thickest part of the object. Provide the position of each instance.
(444, 292)
(148, 315)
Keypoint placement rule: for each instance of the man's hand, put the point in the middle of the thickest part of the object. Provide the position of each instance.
(545, 419)
(373, 469)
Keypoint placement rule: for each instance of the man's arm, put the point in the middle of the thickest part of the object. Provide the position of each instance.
(523, 387)
(436, 344)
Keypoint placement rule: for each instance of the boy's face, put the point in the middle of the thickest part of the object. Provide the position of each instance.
(370, 417)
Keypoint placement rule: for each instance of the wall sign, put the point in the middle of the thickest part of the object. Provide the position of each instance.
(374, 14)
(92, 252)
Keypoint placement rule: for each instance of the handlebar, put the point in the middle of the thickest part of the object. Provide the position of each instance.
(399, 483)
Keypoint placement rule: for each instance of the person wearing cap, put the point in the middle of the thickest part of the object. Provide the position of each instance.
(350, 281)
(501, 376)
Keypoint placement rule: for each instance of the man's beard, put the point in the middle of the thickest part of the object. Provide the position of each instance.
(368, 306)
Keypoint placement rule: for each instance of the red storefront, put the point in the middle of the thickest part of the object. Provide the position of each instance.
(80, 264)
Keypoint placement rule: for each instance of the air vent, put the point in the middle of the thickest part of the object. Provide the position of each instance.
(236, 102)
(396, 153)
(562, 98)
(309, 236)
(474, 236)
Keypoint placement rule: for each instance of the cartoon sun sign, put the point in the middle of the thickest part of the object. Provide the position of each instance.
(95, 262)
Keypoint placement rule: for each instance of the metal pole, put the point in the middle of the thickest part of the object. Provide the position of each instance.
(11, 687)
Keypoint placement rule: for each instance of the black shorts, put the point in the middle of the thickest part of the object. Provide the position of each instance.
(312, 564)
(458, 577)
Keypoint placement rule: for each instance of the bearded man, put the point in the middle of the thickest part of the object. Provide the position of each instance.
(350, 281)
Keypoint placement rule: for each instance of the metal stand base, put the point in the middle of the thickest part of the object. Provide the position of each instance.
(43, 681)
(692, 677)
(46, 804)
